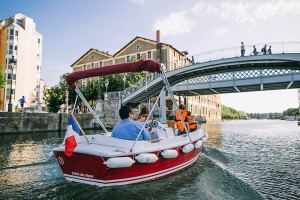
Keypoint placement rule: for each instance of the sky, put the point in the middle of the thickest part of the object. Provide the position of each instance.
(71, 28)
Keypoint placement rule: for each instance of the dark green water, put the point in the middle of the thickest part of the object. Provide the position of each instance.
(242, 160)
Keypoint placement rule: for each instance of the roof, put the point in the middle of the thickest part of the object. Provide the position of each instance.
(90, 50)
(149, 40)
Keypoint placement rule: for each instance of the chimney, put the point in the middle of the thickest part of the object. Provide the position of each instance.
(157, 36)
(158, 46)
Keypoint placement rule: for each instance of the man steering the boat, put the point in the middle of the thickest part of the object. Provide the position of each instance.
(129, 129)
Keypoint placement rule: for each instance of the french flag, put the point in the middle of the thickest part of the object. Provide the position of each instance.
(72, 137)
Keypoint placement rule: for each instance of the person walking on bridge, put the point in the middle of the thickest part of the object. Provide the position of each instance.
(269, 50)
(254, 51)
(242, 49)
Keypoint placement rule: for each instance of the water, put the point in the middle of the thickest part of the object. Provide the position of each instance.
(242, 160)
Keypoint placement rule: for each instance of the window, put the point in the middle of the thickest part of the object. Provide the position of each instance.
(8, 76)
(11, 32)
(17, 32)
(39, 40)
(128, 58)
(101, 64)
(149, 54)
(16, 48)
(93, 65)
(84, 67)
(38, 67)
(138, 56)
(11, 49)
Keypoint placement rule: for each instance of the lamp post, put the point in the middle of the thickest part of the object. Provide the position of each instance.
(106, 86)
(12, 62)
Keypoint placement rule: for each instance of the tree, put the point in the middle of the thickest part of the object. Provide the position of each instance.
(54, 98)
(291, 112)
(230, 113)
(2, 78)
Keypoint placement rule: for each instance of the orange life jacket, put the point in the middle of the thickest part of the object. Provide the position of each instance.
(180, 126)
(192, 126)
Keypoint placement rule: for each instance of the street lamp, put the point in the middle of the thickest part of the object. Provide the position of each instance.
(12, 62)
(106, 86)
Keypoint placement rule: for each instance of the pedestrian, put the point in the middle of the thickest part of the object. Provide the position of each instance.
(242, 49)
(22, 102)
(269, 50)
(264, 50)
(254, 51)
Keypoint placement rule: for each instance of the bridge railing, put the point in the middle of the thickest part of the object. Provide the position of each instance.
(232, 52)
(277, 48)
(227, 76)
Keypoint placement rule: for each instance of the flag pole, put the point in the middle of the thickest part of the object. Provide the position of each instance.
(83, 133)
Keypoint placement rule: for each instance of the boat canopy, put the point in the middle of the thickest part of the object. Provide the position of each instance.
(142, 65)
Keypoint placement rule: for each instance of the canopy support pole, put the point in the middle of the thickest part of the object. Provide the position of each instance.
(168, 87)
(74, 104)
(163, 90)
(90, 108)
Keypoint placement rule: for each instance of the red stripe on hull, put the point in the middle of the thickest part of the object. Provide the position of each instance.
(84, 166)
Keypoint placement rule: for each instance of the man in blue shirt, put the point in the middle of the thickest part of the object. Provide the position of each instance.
(129, 129)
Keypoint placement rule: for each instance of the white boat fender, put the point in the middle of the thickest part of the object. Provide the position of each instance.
(169, 153)
(188, 148)
(146, 158)
(198, 144)
(119, 162)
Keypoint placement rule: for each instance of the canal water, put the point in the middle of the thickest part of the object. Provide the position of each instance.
(242, 160)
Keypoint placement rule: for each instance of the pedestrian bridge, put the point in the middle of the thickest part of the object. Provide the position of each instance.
(230, 74)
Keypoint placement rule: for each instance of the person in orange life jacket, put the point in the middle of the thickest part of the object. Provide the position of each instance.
(180, 126)
(192, 123)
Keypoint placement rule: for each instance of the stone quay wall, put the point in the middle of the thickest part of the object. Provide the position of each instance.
(40, 122)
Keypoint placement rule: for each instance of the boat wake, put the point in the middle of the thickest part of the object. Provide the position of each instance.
(220, 161)
(49, 161)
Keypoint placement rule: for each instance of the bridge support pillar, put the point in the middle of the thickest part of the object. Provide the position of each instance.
(186, 103)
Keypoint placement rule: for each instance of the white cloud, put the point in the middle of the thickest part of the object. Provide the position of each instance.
(250, 12)
(138, 1)
(175, 24)
(222, 31)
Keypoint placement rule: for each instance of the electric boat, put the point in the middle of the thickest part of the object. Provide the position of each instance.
(103, 160)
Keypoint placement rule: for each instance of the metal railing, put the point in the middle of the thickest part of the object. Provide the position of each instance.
(232, 52)
(247, 74)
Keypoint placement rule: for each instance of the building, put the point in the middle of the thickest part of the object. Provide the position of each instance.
(208, 106)
(19, 38)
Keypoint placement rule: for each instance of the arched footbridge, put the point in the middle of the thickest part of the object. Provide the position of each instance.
(280, 70)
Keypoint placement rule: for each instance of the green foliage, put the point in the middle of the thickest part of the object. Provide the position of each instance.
(2, 78)
(230, 113)
(291, 112)
(54, 98)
